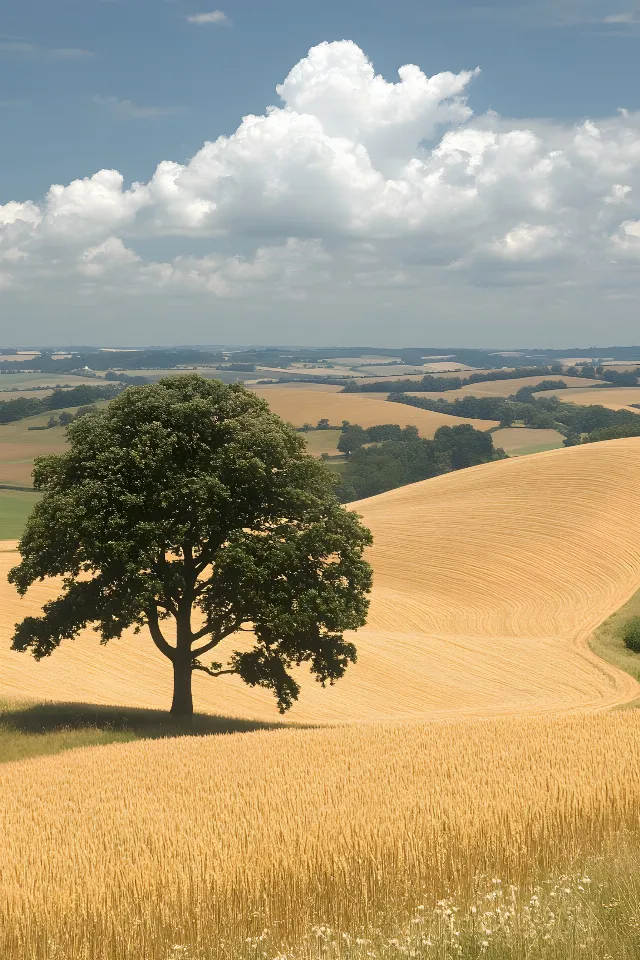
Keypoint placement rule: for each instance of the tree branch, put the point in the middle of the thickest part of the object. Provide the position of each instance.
(196, 665)
(218, 638)
(157, 635)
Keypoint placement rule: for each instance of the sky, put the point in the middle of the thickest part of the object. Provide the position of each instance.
(427, 172)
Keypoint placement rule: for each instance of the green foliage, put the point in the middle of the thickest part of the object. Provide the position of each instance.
(631, 634)
(352, 438)
(430, 383)
(18, 409)
(188, 498)
(407, 458)
(615, 433)
(569, 418)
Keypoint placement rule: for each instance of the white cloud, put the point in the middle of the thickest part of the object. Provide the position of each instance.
(620, 18)
(215, 16)
(356, 191)
(34, 51)
(128, 110)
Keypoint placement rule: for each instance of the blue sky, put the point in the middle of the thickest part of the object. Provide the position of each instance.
(113, 85)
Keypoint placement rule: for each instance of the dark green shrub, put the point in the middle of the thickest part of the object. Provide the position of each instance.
(631, 634)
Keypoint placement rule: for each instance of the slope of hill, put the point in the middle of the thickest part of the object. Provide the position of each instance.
(487, 583)
(300, 406)
(617, 398)
(504, 388)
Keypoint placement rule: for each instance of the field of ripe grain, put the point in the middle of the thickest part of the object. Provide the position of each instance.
(301, 406)
(19, 446)
(519, 441)
(616, 398)
(504, 388)
(189, 847)
(486, 586)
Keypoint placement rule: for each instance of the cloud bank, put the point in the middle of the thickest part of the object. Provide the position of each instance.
(361, 192)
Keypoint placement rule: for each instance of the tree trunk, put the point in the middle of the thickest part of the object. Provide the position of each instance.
(182, 704)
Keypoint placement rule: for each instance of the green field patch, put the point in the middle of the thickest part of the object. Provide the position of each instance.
(15, 507)
(607, 641)
(322, 441)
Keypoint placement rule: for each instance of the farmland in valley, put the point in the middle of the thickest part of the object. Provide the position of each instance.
(519, 441)
(302, 406)
(617, 398)
(504, 388)
(485, 591)
(19, 446)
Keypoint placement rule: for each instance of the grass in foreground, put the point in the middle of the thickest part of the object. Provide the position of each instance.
(359, 841)
(43, 729)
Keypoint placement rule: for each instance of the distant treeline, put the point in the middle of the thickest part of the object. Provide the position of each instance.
(399, 456)
(21, 407)
(108, 359)
(432, 384)
(614, 433)
(570, 419)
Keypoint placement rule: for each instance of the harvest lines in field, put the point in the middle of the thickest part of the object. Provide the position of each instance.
(487, 583)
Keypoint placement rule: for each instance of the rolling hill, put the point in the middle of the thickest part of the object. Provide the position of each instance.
(487, 583)
(617, 398)
(505, 388)
(300, 406)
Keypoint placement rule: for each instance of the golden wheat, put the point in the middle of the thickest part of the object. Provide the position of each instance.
(119, 852)
(616, 398)
(504, 388)
(308, 406)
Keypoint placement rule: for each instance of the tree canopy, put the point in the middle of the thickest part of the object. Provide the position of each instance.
(187, 500)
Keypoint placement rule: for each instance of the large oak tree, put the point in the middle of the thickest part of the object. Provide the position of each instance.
(188, 500)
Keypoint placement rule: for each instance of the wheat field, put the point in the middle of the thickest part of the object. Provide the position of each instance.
(504, 388)
(617, 398)
(193, 847)
(300, 406)
(487, 583)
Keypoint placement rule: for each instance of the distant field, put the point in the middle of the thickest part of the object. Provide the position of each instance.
(19, 381)
(504, 388)
(322, 441)
(309, 406)
(19, 446)
(15, 507)
(616, 398)
(518, 441)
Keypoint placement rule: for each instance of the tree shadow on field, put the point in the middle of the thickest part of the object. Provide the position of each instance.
(52, 717)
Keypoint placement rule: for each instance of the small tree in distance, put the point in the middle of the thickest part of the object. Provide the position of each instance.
(187, 500)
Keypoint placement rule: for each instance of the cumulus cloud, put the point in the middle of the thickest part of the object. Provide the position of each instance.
(353, 183)
(215, 16)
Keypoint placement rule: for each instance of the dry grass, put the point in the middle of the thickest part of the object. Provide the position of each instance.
(616, 398)
(135, 850)
(517, 441)
(487, 583)
(308, 406)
